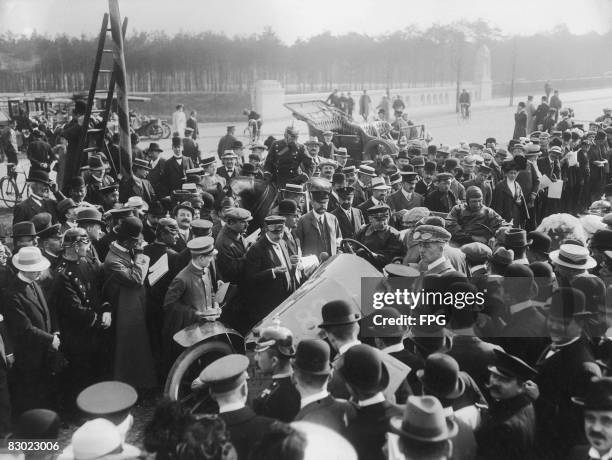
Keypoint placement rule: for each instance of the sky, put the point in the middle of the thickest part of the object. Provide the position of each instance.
(292, 19)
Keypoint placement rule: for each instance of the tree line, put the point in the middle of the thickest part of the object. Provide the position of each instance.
(214, 62)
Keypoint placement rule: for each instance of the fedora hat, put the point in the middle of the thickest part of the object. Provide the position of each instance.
(312, 357)
(364, 369)
(424, 420)
(24, 229)
(516, 238)
(154, 147)
(598, 395)
(140, 163)
(441, 377)
(567, 303)
(30, 259)
(130, 228)
(136, 202)
(573, 256)
(338, 313)
(89, 216)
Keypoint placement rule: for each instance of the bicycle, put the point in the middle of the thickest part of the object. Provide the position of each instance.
(253, 130)
(464, 113)
(10, 192)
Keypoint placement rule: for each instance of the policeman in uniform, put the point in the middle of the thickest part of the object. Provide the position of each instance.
(380, 238)
(286, 157)
(227, 380)
(273, 353)
(82, 314)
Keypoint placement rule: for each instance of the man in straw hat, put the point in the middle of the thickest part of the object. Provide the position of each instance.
(571, 261)
(565, 368)
(32, 331)
(311, 374)
(424, 431)
(508, 428)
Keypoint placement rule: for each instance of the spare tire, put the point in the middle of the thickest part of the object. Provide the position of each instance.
(374, 145)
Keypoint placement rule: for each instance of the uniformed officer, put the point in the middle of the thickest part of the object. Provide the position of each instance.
(286, 157)
(273, 353)
(227, 381)
(81, 313)
(231, 245)
(380, 238)
(432, 240)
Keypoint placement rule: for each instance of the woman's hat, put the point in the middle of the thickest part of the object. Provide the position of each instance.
(30, 259)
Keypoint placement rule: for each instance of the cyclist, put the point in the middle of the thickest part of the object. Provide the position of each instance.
(255, 121)
(465, 102)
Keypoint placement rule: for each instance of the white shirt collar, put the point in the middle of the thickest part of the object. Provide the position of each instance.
(393, 348)
(312, 398)
(282, 375)
(522, 261)
(231, 407)
(437, 262)
(344, 348)
(466, 331)
(593, 453)
(520, 306)
(477, 267)
(406, 195)
(273, 243)
(377, 398)
(376, 202)
(563, 345)
(23, 278)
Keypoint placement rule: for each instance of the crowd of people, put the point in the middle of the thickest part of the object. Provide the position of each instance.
(103, 273)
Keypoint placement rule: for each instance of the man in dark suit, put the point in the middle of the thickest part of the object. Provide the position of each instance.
(380, 238)
(183, 213)
(318, 230)
(32, 330)
(6, 362)
(441, 199)
(38, 201)
(227, 379)
(226, 141)
(350, 219)
(550, 166)
(175, 168)
(311, 373)
(269, 270)
(508, 199)
(273, 353)
(426, 183)
(229, 170)
(190, 147)
(327, 148)
(406, 197)
(157, 167)
(507, 431)
(597, 405)
(366, 377)
(138, 184)
(379, 190)
(231, 247)
(481, 181)
(566, 367)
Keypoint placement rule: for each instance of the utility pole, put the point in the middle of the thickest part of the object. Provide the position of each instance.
(513, 72)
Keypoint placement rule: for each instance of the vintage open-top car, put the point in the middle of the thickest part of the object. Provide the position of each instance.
(362, 140)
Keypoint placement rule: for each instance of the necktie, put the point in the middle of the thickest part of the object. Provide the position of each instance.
(324, 236)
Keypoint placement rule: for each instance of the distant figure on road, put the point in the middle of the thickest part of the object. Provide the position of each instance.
(333, 99)
(530, 110)
(541, 113)
(179, 121)
(520, 122)
(226, 142)
(364, 105)
(464, 103)
(555, 103)
(350, 105)
(398, 105)
(384, 107)
(547, 89)
(192, 123)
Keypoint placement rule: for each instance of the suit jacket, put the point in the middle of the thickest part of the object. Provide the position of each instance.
(172, 177)
(327, 150)
(330, 412)
(29, 323)
(361, 194)
(231, 256)
(367, 430)
(529, 181)
(347, 228)
(363, 207)
(225, 143)
(191, 150)
(221, 171)
(553, 171)
(308, 233)
(246, 429)
(435, 201)
(280, 400)
(422, 188)
(397, 201)
(28, 208)
(525, 335)
(506, 205)
(134, 186)
(508, 430)
(155, 177)
(268, 289)
(563, 375)
(473, 356)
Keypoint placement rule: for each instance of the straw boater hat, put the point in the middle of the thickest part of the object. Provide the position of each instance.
(573, 256)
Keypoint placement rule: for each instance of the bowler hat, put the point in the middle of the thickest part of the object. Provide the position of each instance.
(312, 357)
(540, 242)
(598, 395)
(424, 420)
(287, 208)
(441, 376)
(154, 147)
(337, 313)
(177, 142)
(567, 303)
(130, 228)
(516, 238)
(40, 176)
(24, 229)
(89, 215)
(511, 366)
(364, 369)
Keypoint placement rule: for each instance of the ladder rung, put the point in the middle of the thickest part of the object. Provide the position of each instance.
(98, 110)
(101, 91)
(105, 71)
(106, 50)
(90, 149)
(95, 131)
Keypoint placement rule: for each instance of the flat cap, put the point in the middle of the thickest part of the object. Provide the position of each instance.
(226, 373)
(238, 214)
(201, 224)
(430, 234)
(278, 337)
(476, 253)
(274, 220)
(378, 209)
(444, 176)
(202, 245)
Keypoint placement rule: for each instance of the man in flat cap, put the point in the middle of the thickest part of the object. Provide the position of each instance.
(269, 271)
(432, 241)
(442, 199)
(190, 296)
(231, 246)
(380, 238)
(508, 429)
(82, 314)
(138, 184)
(473, 221)
(273, 352)
(287, 159)
(311, 373)
(227, 380)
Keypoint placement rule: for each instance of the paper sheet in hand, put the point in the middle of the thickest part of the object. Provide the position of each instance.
(545, 181)
(555, 189)
(309, 263)
(158, 269)
(572, 158)
(249, 240)
(221, 292)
